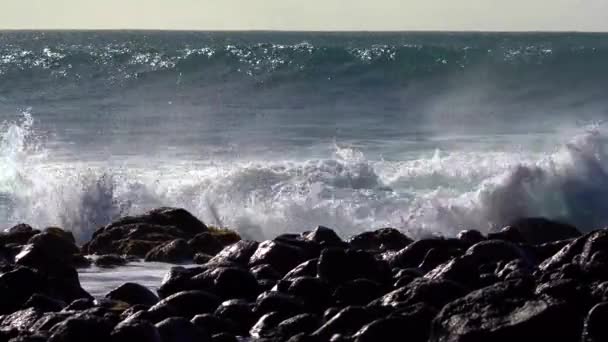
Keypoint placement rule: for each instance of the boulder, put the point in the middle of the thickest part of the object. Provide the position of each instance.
(347, 321)
(238, 253)
(358, 292)
(185, 304)
(181, 330)
(325, 237)
(436, 293)
(538, 230)
(506, 311)
(81, 328)
(135, 330)
(18, 235)
(337, 266)
(237, 314)
(176, 251)
(138, 235)
(381, 240)
(281, 256)
(17, 286)
(43, 303)
(414, 253)
(595, 328)
(133, 294)
(110, 260)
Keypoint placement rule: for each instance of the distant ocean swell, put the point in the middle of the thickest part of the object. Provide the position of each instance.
(440, 193)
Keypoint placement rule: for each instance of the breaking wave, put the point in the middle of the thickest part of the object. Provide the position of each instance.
(439, 193)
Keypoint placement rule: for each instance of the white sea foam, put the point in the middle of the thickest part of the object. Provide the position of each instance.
(435, 193)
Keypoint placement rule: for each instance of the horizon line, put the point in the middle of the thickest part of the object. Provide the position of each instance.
(288, 31)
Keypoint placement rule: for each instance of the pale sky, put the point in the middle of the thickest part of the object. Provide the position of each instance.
(496, 15)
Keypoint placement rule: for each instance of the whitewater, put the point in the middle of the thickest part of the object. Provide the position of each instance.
(267, 132)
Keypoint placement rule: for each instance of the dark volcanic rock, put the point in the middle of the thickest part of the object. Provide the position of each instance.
(433, 292)
(325, 237)
(110, 260)
(285, 304)
(48, 251)
(596, 329)
(135, 330)
(381, 240)
(537, 230)
(176, 251)
(281, 256)
(19, 234)
(338, 266)
(81, 328)
(230, 282)
(414, 253)
(44, 303)
(185, 304)
(137, 235)
(507, 311)
(357, 292)
(133, 294)
(347, 321)
(22, 319)
(17, 286)
(181, 330)
(238, 253)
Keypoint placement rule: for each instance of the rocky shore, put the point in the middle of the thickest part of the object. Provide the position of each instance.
(534, 280)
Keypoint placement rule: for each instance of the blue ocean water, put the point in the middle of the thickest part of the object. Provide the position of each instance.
(269, 132)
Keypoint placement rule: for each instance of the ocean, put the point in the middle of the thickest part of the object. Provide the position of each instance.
(270, 132)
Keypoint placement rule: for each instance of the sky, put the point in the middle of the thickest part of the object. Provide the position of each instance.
(324, 15)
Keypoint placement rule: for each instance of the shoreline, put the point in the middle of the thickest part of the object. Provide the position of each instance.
(534, 279)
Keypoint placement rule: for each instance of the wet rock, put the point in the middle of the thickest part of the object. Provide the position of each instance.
(17, 286)
(19, 234)
(306, 269)
(315, 292)
(110, 260)
(66, 235)
(238, 314)
(137, 235)
(265, 271)
(347, 321)
(135, 330)
(185, 304)
(48, 251)
(182, 330)
(238, 253)
(205, 243)
(357, 292)
(337, 266)
(412, 255)
(21, 320)
(285, 304)
(506, 311)
(201, 258)
(80, 304)
(595, 328)
(224, 337)
(81, 328)
(178, 279)
(213, 324)
(133, 294)
(381, 240)
(385, 329)
(304, 323)
(433, 292)
(281, 256)
(325, 237)
(176, 251)
(43, 303)
(538, 230)
(266, 325)
(229, 282)
(493, 251)
(471, 237)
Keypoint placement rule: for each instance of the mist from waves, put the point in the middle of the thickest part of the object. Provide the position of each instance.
(437, 193)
